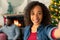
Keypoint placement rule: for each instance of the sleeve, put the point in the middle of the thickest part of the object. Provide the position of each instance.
(48, 31)
(52, 34)
(17, 31)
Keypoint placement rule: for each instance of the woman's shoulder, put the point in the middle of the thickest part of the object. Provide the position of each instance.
(27, 27)
(49, 26)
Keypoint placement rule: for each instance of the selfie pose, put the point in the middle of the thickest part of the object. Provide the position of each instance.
(38, 23)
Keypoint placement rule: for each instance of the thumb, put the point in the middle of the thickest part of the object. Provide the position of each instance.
(59, 25)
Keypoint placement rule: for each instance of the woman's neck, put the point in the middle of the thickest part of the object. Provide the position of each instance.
(34, 28)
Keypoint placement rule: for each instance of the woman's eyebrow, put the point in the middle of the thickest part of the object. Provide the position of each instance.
(39, 11)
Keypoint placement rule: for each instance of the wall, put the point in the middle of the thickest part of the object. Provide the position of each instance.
(21, 8)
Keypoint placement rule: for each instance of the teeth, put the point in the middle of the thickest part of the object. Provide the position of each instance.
(36, 21)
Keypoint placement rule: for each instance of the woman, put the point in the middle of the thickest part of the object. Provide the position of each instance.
(38, 26)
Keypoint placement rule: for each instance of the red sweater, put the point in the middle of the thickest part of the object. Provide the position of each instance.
(33, 36)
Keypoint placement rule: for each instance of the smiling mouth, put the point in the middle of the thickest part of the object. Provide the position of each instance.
(36, 21)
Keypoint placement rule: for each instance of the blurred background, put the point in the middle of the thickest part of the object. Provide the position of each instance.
(14, 8)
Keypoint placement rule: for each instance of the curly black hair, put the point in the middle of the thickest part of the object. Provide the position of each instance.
(46, 15)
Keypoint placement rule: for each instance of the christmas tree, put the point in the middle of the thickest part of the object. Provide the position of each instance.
(10, 8)
(55, 11)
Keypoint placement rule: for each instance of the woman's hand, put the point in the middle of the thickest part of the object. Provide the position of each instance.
(57, 31)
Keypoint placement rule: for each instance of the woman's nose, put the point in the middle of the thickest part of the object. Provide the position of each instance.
(36, 16)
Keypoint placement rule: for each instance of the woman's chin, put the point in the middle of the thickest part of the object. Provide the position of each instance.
(36, 23)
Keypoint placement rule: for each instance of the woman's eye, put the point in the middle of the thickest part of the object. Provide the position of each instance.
(32, 13)
(39, 13)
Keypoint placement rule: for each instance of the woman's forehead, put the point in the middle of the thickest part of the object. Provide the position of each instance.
(37, 8)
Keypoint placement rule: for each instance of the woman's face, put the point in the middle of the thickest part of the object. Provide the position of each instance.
(36, 15)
